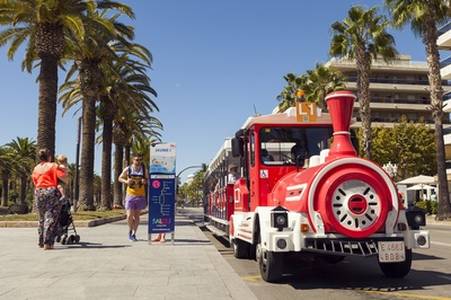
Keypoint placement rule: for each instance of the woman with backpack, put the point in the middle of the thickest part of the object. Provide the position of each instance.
(135, 177)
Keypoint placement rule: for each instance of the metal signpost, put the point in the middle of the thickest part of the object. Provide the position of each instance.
(162, 190)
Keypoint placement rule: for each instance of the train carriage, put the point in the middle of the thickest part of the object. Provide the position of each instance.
(304, 191)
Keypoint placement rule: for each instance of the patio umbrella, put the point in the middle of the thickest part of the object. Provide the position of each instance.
(420, 179)
(419, 187)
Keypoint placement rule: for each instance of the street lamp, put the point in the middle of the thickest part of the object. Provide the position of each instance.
(77, 165)
(202, 166)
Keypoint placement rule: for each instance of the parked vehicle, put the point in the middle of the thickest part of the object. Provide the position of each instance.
(298, 196)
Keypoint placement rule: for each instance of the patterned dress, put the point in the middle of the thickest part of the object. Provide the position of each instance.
(48, 206)
(45, 178)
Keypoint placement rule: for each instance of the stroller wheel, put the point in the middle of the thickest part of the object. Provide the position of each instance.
(77, 239)
(58, 239)
(64, 240)
(71, 239)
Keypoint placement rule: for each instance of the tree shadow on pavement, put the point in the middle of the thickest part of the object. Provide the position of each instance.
(88, 245)
(360, 274)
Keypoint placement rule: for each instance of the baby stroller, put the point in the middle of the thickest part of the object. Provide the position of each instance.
(67, 233)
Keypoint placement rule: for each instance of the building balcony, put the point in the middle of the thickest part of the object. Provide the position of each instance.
(400, 100)
(447, 139)
(397, 80)
(403, 64)
(445, 68)
(387, 87)
(396, 106)
(447, 106)
(444, 37)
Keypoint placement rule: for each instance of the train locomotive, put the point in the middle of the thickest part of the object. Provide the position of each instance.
(302, 190)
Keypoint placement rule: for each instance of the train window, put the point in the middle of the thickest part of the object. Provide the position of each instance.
(252, 148)
(282, 145)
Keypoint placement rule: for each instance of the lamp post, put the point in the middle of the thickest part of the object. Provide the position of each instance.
(202, 166)
(77, 165)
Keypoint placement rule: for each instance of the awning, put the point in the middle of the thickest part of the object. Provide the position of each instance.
(420, 187)
(420, 179)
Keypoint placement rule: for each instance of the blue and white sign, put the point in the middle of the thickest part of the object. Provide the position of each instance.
(162, 189)
(162, 159)
(161, 203)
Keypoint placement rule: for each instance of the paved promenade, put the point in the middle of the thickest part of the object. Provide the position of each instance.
(107, 266)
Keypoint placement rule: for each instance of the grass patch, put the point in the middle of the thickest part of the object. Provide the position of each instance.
(79, 216)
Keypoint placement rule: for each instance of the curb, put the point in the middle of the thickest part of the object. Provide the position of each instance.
(430, 220)
(86, 223)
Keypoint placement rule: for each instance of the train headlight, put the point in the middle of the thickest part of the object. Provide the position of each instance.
(279, 220)
(281, 244)
(421, 240)
(416, 218)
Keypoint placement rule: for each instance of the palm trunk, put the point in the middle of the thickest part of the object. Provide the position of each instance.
(87, 154)
(435, 83)
(363, 85)
(23, 189)
(118, 167)
(107, 136)
(48, 88)
(5, 188)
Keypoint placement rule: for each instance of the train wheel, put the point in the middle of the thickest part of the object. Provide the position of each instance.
(270, 265)
(399, 269)
(241, 249)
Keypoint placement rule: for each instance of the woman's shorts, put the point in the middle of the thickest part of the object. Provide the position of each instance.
(135, 202)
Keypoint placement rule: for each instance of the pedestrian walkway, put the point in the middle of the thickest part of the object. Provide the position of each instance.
(107, 266)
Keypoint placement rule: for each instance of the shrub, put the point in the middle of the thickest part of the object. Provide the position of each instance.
(430, 207)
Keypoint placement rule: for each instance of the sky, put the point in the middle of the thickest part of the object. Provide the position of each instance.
(214, 61)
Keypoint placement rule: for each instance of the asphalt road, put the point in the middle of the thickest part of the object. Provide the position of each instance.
(355, 277)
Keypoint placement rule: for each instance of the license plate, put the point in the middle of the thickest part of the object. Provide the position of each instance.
(391, 252)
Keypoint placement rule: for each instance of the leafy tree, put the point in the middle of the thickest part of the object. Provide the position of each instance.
(363, 36)
(423, 16)
(193, 191)
(409, 145)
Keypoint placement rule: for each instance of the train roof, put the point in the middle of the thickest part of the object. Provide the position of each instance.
(287, 117)
(222, 154)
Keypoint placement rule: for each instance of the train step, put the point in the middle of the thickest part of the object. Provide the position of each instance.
(216, 231)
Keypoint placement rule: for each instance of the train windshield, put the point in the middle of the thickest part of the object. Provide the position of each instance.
(286, 145)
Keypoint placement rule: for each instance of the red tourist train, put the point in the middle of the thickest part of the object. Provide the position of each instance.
(291, 195)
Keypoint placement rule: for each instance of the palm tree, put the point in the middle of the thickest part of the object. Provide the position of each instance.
(23, 152)
(423, 16)
(131, 125)
(287, 98)
(91, 57)
(44, 26)
(127, 86)
(6, 162)
(321, 81)
(363, 36)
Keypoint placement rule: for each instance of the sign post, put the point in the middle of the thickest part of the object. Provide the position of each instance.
(162, 190)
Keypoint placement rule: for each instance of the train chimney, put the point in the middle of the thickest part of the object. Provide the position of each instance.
(340, 104)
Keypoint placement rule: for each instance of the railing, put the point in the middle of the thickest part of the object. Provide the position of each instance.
(399, 81)
(445, 28)
(446, 62)
(396, 119)
(399, 100)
